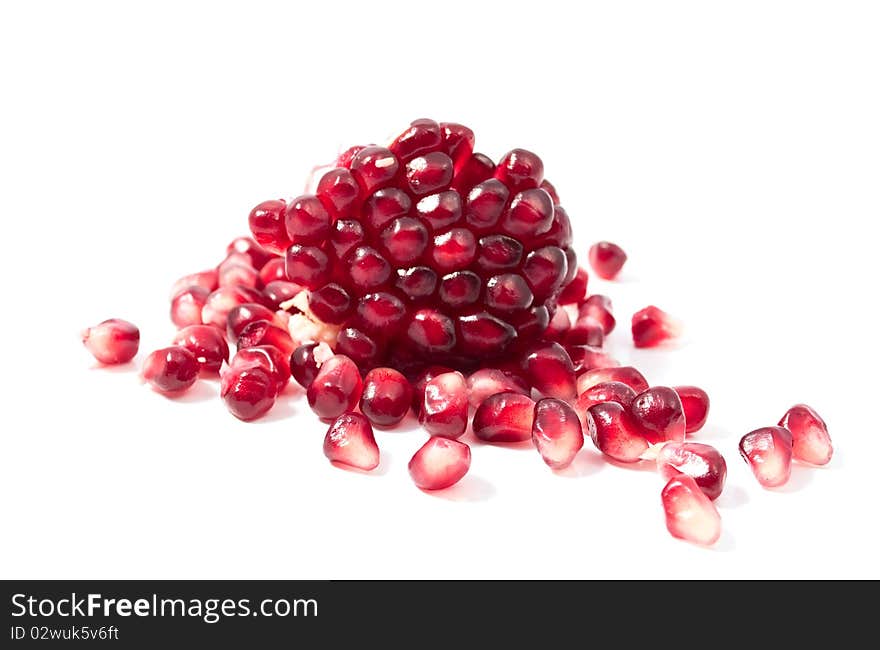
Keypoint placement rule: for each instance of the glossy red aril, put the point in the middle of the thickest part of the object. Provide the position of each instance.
(550, 371)
(270, 359)
(690, 514)
(476, 169)
(576, 290)
(607, 259)
(557, 433)
(243, 315)
(624, 374)
(336, 388)
(616, 434)
(306, 360)
(703, 463)
(585, 331)
(598, 308)
(421, 380)
(279, 291)
(207, 343)
(187, 306)
(112, 341)
(695, 402)
(810, 440)
(338, 191)
(237, 272)
(307, 265)
(170, 370)
(204, 279)
(505, 417)
(258, 255)
(486, 382)
(444, 409)
(262, 332)
(658, 412)
(520, 169)
(652, 326)
(248, 391)
(768, 451)
(330, 303)
(386, 397)
(587, 357)
(307, 221)
(266, 222)
(350, 441)
(439, 463)
(222, 301)
(273, 271)
(559, 326)
(609, 391)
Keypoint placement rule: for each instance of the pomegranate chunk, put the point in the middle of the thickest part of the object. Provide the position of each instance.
(652, 326)
(659, 414)
(350, 441)
(445, 405)
(550, 371)
(440, 463)
(557, 432)
(171, 370)
(616, 434)
(810, 440)
(703, 463)
(768, 453)
(113, 341)
(623, 374)
(336, 388)
(505, 417)
(695, 402)
(690, 514)
(607, 259)
(386, 397)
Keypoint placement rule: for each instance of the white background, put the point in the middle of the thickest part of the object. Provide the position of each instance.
(731, 148)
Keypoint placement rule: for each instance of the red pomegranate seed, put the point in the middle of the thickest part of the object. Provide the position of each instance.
(421, 380)
(307, 265)
(548, 187)
(695, 402)
(170, 370)
(659, 414)
(498, 253)
(607, 259)
(220, 302)
(505, 417)
(429, 173)
(279, 291)
(439, 463)
(404, 240)
(444, 409)
(458, 143)
(248, 392)
(417, 283)
(187, 305)
(383, 207)
(486, 382)
(616, 434)
(205, 279)
(208, 345)
(703, 463)
(690, 515)
(476, 169)
(608, 391)
(386, 398)
(454, 249)
(520, 169)
(598, 307)
(431, 332)
(484, 335)
(358, 346)
(652, 326)
(330, 303)
(559, 326)
(338, 191)
(346, 235)
(307, 221)
(374, 167)
(576, 290)
(557, 432)
(460, 289)
(262, 332)
(587, 357)
(380, 313)
(550, 371)
(530, 214)
(421, 137)
(336, 388)
(243, 315)
(306, 360)
(350, 441)
(485, 204)
(233, 272)
(810, 440)
(768, 453)
(585, 331)
(273, 271)
(624, 374)
(366, 269)
(112, 341)
(439, 210)
(257, 255)
(270, 359)
(266, 222)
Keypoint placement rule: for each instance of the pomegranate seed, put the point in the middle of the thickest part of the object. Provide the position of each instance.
(279, 291)
(550, 371)
(530, 214)
(417, 283)
(386, 398)
(440, 210)
(652, 326)
(187, 306)
(367, 269)
(270, 359)
(307, 265)
(520, 169)
(703, 463)
(421, 137)
(243, 315)
(485, 204)
(374, 167)
(205, 279)
(208, 345)
(404, 240)
(429, 173)
(273, 271)
(444, 409)
(548, 187)
(557, 432)
(336, 388)
(576, 290)
(262, 332)
(484, 335)
(486, 382)
(350, 441)
(112, 341)
(257, 255)
(421, 380)
(266, 222)
(358, 346)
(598, 307)
(248, 392)
(232, 272)
(695, 402)
(338, 191)
(220, 302)
(170, 370)
(659, 414)
(810, 440)
(439, 463)
(586, 357)
(306, 360)
(431, 332)
(498, 253)
(690, 515)
(559, 326)
(453, 249)
(476, 169)
(460, 289)
(380, 313)
(768, 453)
(347, 234)
(616, 434)
(307, 221)
(624, 374)
(585, 331)
(607, 391)
(330, 303)
(383, 207)
(607, 259)
(505, 417)
(458, 143)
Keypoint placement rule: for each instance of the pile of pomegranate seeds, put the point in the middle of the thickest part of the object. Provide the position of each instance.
(424, 277)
